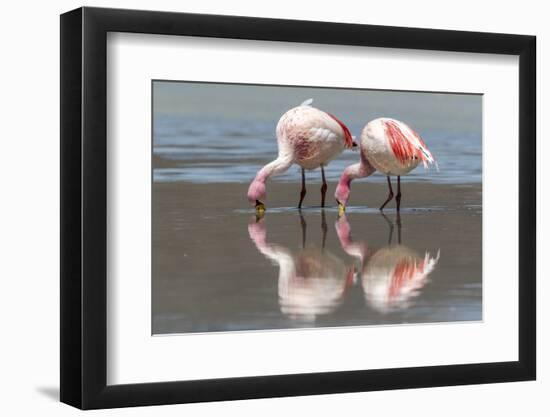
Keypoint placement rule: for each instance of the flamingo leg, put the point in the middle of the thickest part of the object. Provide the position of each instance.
(390, 224)
(303, 225)
(323, 187)
(390, 195)
(324, 229)
(303, 192)
(398, 195)
(398, 221)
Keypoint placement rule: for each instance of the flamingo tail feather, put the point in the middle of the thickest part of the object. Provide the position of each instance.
(408, 145)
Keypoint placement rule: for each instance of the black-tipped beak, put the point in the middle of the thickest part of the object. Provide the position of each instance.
(260, 207)
(341, 208)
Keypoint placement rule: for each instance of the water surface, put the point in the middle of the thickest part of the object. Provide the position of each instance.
(226, 132)
(216, 267)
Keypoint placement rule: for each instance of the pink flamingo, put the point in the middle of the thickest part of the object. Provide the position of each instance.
(389, 146)
(394, 276)
(312, 281)
(391, 276)
(308, 137)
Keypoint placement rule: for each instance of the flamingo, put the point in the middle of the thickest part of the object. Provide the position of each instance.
(312, 282)
(391, 276)
(394, 276)
(391, 147)
(308, 137)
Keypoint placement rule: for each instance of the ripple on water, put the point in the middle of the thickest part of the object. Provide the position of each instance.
(349, 209)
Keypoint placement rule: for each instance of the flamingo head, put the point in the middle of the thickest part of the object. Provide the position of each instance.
(342, 196)
(257, 194)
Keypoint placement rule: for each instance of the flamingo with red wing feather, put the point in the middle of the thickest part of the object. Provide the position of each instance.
(391, 147)
(308, 137)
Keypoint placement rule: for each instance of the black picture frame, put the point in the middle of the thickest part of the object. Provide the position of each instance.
(84, 207)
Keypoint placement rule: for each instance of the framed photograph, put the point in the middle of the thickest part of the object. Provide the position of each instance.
(257, 208)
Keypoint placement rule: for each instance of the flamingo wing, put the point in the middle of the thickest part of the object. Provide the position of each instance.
(406, 144)
(311, 133)
(321, 128)
(347, 134)
(348, 138)
(318, 140)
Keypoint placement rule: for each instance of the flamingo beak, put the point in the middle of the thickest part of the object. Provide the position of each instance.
(341, 208)
(260, 208)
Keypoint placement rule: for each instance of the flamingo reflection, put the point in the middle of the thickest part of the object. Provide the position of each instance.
(312, 282)
(391, 276)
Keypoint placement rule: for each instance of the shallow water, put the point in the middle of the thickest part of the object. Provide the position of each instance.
(225, 150)
(217, 267)
(205, 133)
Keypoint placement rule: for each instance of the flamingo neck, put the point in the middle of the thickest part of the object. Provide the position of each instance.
(359, 170)
(276, 167)
(355, 249)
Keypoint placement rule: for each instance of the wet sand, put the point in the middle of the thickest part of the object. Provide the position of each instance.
(215, 268)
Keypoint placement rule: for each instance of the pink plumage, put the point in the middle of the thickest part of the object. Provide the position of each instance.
(391, 276)
(390, 147)
(308, 137)
(312, 281)
(393, 148)
(406, 146)
(347, 133)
